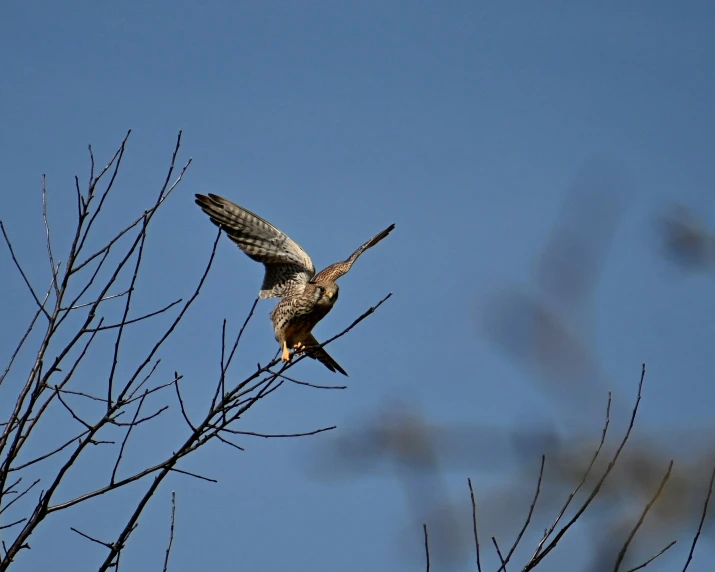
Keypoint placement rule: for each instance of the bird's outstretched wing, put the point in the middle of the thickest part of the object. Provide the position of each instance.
(321, 355)
(288, 266)
(335, 271)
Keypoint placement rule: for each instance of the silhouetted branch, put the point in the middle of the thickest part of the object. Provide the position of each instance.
(641, 566)
(528, 516)
(40, 305)
(702, 520)
(538, 557)
(622, 553)
(171, 531)
(551, 529)
(501, 558)
(474, 526)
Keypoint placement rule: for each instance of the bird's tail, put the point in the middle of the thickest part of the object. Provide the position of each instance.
(321, 355)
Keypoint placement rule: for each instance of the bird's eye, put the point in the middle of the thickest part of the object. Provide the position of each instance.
(322, 290)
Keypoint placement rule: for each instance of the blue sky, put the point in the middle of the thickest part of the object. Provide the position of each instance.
(465, 124)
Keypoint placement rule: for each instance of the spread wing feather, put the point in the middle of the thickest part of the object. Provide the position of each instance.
(335, 271)
(288, 266)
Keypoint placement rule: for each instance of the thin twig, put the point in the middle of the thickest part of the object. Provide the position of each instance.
(143, 381)
(53, 268)
(225, 366)
(181, 403)
(474, 525)
(641, 566)
(127, 304)
(528, 516)
(18, 497)
(78, 306)
(279, 435)
(53, 452)
(209, 479)
(227, 442)
(424, 526)
(626, 544)
(143, 419)
(134, 320)
(59, 389)
(565, 506)
(539, 557)
(126, 438)
(702, 520)
(171, 531)
(25, 336)
(501, 558)
(22, 272)
(73, 414)
(5, 526)
(88, 537)
(305, 383)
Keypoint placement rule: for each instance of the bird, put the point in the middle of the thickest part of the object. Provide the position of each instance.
(305, 297)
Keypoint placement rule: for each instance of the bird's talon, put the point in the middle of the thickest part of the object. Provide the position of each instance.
(285, 356)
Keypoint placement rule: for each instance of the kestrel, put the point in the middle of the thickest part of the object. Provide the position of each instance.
(306, 297)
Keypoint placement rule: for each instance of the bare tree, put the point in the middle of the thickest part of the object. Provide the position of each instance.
(75, 316)
(59, 406)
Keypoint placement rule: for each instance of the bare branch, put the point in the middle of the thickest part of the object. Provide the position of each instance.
(126, 438)
(210, 480)
(225, 366)
(81, 238)
(596, 454)
(626, 544)
(305, 383)
(424, 526)
(118, 339)
(18, 497)
(40, 305)
(77, 307)
(171, 531)
(73, 414)
(5, 526)
(474, 525)
(702, 520)
(181, 403)
(51, 453)
(538, 558)
(88, 537)
(501, 558)
(278, 435)
(143, 381)
(227, 442)
(528, 516)
(143, 419)
(126, 322)
(53, 267)
(20, 344)
(641, 566)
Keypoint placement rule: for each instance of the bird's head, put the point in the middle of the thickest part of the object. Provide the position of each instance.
(327, 293)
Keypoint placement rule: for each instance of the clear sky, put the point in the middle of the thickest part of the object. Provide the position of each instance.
(465, 124)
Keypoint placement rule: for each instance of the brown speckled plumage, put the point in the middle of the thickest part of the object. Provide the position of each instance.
(306, 297)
